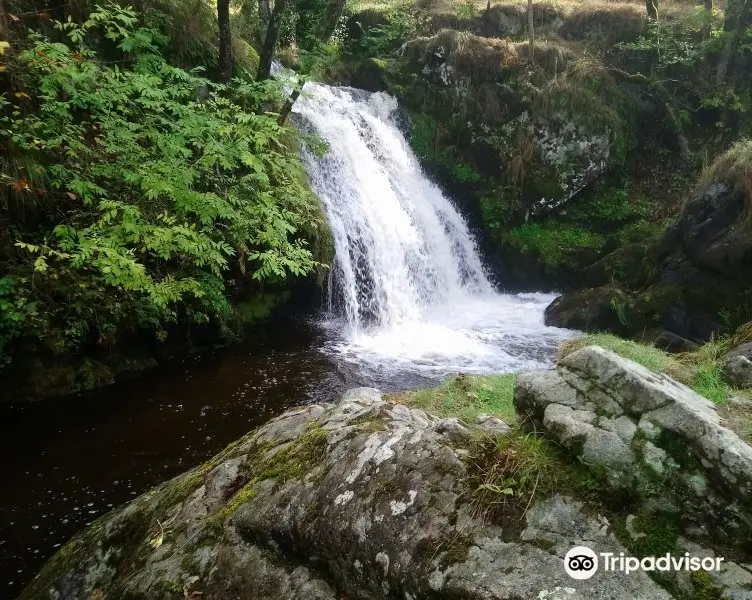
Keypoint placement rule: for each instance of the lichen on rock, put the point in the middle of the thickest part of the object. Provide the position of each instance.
(650, 436)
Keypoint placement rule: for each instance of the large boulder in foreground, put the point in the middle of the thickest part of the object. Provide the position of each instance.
(360, 499)
(367, 500)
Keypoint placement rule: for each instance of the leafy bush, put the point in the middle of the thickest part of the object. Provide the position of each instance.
(138, 189)
(403, 22)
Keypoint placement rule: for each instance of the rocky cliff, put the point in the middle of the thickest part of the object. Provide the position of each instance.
(692, 283)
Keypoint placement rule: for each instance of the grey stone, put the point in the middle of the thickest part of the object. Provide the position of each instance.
(744, 350)
(492, 425)
(377, 506)
(737, 370)
(590, 405)
(368, 500)
(454, 429)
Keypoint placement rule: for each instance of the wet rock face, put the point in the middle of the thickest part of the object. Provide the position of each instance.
(648, 435)
(589, 310)
(710, 226)
(361, 499)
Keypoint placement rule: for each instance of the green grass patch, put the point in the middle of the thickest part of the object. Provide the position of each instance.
(648, 356)
(465, 397)
(507, 473)
(699, 370)
(708, 382)
(556, 244)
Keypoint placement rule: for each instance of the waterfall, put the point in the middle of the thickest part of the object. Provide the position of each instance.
(408, 289)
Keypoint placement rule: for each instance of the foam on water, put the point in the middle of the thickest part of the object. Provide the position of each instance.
(408, 292)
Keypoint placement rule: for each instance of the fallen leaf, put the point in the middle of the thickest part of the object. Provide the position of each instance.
(21, 184)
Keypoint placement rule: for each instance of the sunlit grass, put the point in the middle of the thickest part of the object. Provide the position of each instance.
(465, 397)
(699, 370)
(646, 355)
(669, 8)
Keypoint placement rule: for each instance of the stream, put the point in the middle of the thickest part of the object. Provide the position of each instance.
(410, 302)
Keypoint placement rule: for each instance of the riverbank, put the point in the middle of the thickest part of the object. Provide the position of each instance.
(70, 460)
(308, 504)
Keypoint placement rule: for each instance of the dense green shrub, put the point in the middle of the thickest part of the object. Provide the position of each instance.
(136, 191)
(556, 244)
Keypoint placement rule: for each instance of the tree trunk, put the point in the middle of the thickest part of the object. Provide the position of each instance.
(225, 41)
(329, 20)
(264, 16)
(707, 27)
(530, 31)
(4, 19)
(652, 9)
(270, 40)
(736, 21)
(288, 106)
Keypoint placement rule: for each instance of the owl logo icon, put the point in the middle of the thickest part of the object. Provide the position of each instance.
(581, 563)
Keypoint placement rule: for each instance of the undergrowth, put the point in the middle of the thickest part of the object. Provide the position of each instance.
(555, 244)
(138, 194)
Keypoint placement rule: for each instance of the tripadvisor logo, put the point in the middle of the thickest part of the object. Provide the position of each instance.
(581, 563)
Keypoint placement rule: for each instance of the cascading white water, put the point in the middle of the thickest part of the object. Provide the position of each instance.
(407, 279)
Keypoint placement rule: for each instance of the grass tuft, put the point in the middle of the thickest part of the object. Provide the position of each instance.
(699, 370)
(648, 356)
(465, 397)
(508, 473)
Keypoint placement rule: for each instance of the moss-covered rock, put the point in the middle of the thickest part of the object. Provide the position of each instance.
(694, 282)
(654, 440)
(362, 498)
(245, 57)
(371, 75)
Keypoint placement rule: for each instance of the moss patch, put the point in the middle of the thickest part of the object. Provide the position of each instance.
(292, 461)
(450, 549)
(654, 534)
(704, 587)
(556, 245)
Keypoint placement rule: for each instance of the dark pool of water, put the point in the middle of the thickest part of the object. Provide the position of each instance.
(66, 461)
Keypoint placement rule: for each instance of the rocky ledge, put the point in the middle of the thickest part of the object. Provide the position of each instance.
(365, 499)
